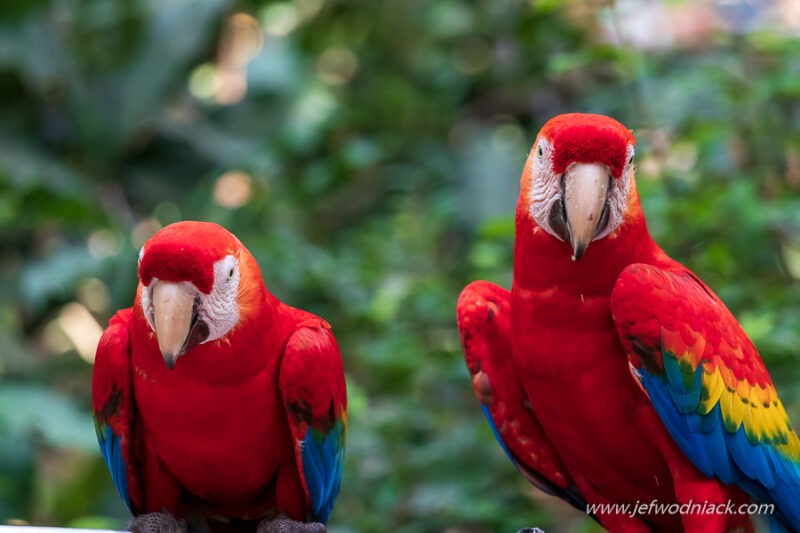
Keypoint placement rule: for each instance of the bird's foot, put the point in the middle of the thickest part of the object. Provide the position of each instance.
(530, 530)
(157, 523)
(284, 524)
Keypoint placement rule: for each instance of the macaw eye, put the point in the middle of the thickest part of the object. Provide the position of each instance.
(230, 273)
(630, 159)
(539, 151)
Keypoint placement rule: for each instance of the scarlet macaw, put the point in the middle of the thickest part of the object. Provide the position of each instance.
(610, 373)
(215, 401)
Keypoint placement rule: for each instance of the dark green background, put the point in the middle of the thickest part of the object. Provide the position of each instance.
(383, 143)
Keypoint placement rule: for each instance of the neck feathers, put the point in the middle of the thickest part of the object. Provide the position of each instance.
(543, 262)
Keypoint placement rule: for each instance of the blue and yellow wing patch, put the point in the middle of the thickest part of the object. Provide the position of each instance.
(734, 431)
(708, 384)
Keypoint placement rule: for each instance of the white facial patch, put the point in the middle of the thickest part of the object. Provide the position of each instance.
(618, 197)
(219, 309)
(546, 190)
(545, 186)
(147, 300)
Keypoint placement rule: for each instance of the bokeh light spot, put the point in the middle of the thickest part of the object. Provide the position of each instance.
(337, 66)
(508, 140)
(203, 82)
(280, 19)
(143, 230)
(307, 9)
(93, 293)
(241, 42)
(81, 329)
(233, 189)
(103, 243)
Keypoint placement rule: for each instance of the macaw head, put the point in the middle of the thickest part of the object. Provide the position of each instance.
(577, 178)
(196, 280)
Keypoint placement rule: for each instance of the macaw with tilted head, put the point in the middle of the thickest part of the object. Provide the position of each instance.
(215, 401)
(610, 373)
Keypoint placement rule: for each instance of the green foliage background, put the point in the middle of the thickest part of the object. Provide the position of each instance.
(383, 143)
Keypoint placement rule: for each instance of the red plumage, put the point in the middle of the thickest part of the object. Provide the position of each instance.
(564, 383)
(217, 437)
(592, 139)
(182, 253)
(575, 373)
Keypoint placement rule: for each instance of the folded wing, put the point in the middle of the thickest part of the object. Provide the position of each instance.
(312, 383)
(708, 384)
(113, 408)
(483, 323)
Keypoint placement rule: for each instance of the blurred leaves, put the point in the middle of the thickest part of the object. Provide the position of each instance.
(55, 418)
(368, 154)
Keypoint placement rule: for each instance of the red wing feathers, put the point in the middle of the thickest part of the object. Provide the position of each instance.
(113, 408)
(483, 323)
(314, 395)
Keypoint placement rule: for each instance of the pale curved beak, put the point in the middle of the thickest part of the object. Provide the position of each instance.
(585, 190)
(173, 313)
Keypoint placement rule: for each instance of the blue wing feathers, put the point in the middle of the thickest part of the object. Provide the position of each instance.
(758, 468)
(688, 441)
(750, 458)
(786, 470)
(785, 496)
(111, 449)
(686, 398)
(721, 464)
(323, 460)
(701, 424)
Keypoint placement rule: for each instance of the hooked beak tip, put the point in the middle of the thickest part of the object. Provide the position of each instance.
(578, 250)
(170, 360)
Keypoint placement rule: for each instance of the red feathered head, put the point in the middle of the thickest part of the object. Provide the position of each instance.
(197, 283)
(578, 177)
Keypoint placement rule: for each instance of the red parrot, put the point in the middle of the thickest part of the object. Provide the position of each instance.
(610, 373)
(215, 401)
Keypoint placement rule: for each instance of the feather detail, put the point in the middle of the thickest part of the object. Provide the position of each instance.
(322, 466)
(261, 400)
(483, 324)
(312, 384)
(708, 384)
(111, 450)
(113, 409)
